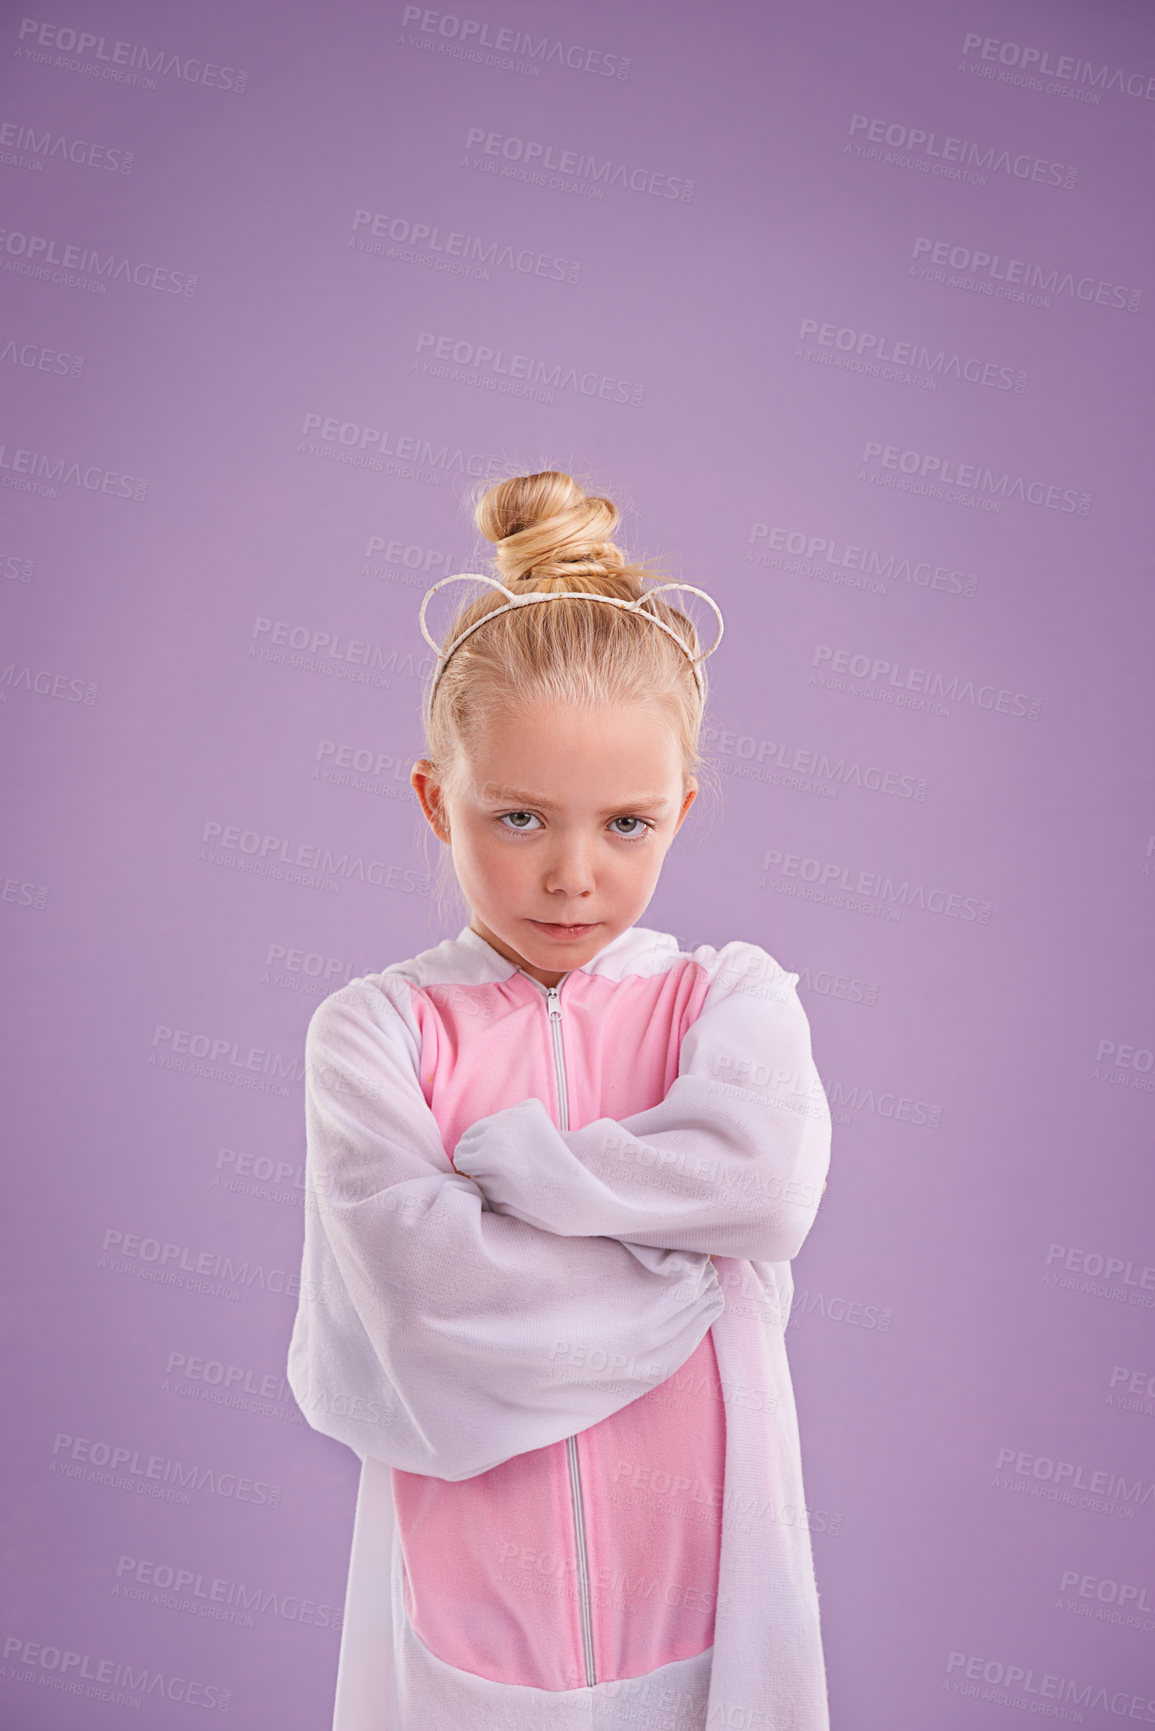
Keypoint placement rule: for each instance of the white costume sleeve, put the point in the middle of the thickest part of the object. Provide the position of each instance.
(431, 1332)
(731, 1163)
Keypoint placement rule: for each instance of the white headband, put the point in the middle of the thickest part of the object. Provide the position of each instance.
(525, 600)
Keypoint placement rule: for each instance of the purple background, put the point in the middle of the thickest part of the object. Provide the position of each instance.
(961, 878)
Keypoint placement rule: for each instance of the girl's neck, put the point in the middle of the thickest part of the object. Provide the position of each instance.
(543, 975)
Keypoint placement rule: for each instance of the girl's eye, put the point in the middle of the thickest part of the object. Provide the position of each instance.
(519, 823)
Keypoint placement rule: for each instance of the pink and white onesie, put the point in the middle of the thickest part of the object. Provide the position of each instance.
(544, 1291)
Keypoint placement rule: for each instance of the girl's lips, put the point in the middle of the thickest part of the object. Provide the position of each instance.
(558, 931)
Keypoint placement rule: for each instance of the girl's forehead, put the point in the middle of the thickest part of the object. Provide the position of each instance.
(559, 741)
(566, 798)
(530, 725)
(556, 753)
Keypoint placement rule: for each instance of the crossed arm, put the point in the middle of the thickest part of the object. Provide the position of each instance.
(732, 1162)
(453, 1316)
(432, 1332)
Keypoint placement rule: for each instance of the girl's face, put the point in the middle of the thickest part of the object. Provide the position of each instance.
(559, 826)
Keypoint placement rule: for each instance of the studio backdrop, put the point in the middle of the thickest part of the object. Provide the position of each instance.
(848, 307)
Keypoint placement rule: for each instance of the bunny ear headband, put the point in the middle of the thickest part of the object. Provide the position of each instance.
(528, 600)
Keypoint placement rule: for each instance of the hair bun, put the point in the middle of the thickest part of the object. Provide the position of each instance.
(544, 526)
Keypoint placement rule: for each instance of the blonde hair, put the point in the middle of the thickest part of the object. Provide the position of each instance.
(551, 536)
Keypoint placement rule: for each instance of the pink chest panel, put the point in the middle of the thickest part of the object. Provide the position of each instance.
(486, 1047)
(499, 1581)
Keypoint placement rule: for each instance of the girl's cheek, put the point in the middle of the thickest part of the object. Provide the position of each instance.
(498, 857)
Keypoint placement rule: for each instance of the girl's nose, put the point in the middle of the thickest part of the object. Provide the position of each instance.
(570, 874)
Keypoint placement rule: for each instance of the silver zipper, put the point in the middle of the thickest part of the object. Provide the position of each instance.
(583, 1564)
(553, 1006)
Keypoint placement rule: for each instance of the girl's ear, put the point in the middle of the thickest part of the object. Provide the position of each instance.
(691, 795)
(424, 780)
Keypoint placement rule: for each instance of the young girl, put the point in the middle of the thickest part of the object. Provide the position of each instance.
(557, 1169)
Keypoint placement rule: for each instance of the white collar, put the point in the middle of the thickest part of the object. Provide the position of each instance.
(622, 955)
(471, 960)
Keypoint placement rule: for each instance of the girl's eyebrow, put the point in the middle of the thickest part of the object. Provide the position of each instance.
(511, 794)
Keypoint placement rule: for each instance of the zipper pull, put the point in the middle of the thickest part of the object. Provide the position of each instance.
(553, 1002)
